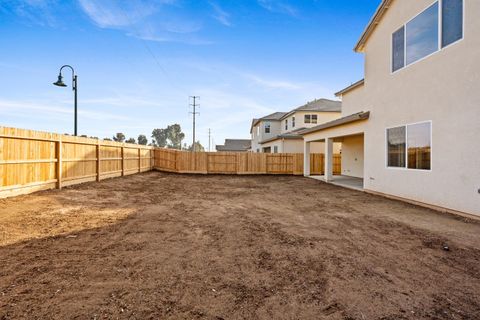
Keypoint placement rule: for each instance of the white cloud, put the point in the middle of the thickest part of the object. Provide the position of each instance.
(273, 84)
(115, 14)
(22, 108)
(160, 20)
(278, 6)
(221, 15)
(33, 12)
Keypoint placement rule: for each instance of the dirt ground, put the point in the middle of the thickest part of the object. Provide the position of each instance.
(164, 246)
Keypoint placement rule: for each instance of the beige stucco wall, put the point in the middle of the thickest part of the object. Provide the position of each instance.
(354, 101)
(291, 146)
(442, 88)
(296, 146)
(352, 156)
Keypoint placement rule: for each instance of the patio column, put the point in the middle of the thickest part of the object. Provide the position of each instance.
(306, 158)
(328, 159)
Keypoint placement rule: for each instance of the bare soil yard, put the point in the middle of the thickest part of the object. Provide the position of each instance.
(164, 246)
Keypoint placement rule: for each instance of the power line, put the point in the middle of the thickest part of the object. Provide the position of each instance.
(194, 113)
(149, 50)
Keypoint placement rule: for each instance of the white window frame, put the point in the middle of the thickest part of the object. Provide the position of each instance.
(406, 147)
(267, 124)
(286, 124)
(293, 122)
(316, 118)
(305, 118)
(439, 49)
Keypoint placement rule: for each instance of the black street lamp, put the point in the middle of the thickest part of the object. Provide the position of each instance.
(60, 83)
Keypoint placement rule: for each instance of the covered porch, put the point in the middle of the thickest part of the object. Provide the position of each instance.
(349, 132)
(343, 181)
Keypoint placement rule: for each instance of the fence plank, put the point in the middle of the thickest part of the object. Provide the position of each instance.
(33, 160)
(239, 163)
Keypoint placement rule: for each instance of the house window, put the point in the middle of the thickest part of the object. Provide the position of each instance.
(258, 131)
(293, 122)
(396, 142)
(410, 146)
(398, 49)
(267, 127)
(275, 149)
(419, 145)
(307, 118)
(427, 33)
(422, 35)
(452, 18)
(314, 118)
(286, 124)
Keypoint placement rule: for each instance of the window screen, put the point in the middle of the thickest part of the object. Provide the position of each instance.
(398, 48)
(452, 21)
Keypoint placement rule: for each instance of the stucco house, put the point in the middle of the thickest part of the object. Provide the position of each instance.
(411, 128)
(279, 132)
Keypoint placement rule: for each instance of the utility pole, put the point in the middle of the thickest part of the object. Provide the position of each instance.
(209, 134)
(194, 105)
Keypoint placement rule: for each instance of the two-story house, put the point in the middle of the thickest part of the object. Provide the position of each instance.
(284, 127)
(411, 128)
(265, 128)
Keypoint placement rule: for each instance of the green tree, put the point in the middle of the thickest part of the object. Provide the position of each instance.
(175, 136)
(142, 139)
(130, 140)
(159, 137)
(198, 147)
(119, 137)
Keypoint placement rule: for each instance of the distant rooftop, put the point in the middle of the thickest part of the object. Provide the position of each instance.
(235, 145)
(319, 105)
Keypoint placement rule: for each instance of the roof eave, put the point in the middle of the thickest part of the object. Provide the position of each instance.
(372, 24)
(364, 115)
(350, 87)
(281, 138)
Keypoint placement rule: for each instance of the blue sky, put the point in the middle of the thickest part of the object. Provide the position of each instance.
(139, 60)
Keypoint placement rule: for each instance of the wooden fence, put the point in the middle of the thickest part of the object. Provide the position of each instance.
(33, 160)
(240, 163)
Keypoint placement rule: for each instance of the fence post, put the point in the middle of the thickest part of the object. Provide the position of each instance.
(98, 160)
(123, 161)
(58, 155)
(139, 160)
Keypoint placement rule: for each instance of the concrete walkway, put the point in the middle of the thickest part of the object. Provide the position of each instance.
(344, 181)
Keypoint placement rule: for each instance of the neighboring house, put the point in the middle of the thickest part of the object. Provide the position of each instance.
(235, 145)
(265, 128)
(283, 136)
(411, 128)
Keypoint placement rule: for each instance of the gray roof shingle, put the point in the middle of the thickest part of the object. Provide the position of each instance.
(234, 145)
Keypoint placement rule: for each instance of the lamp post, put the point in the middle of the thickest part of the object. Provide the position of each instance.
(60, 83)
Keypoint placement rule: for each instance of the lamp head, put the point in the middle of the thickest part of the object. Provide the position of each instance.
(59, 82)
